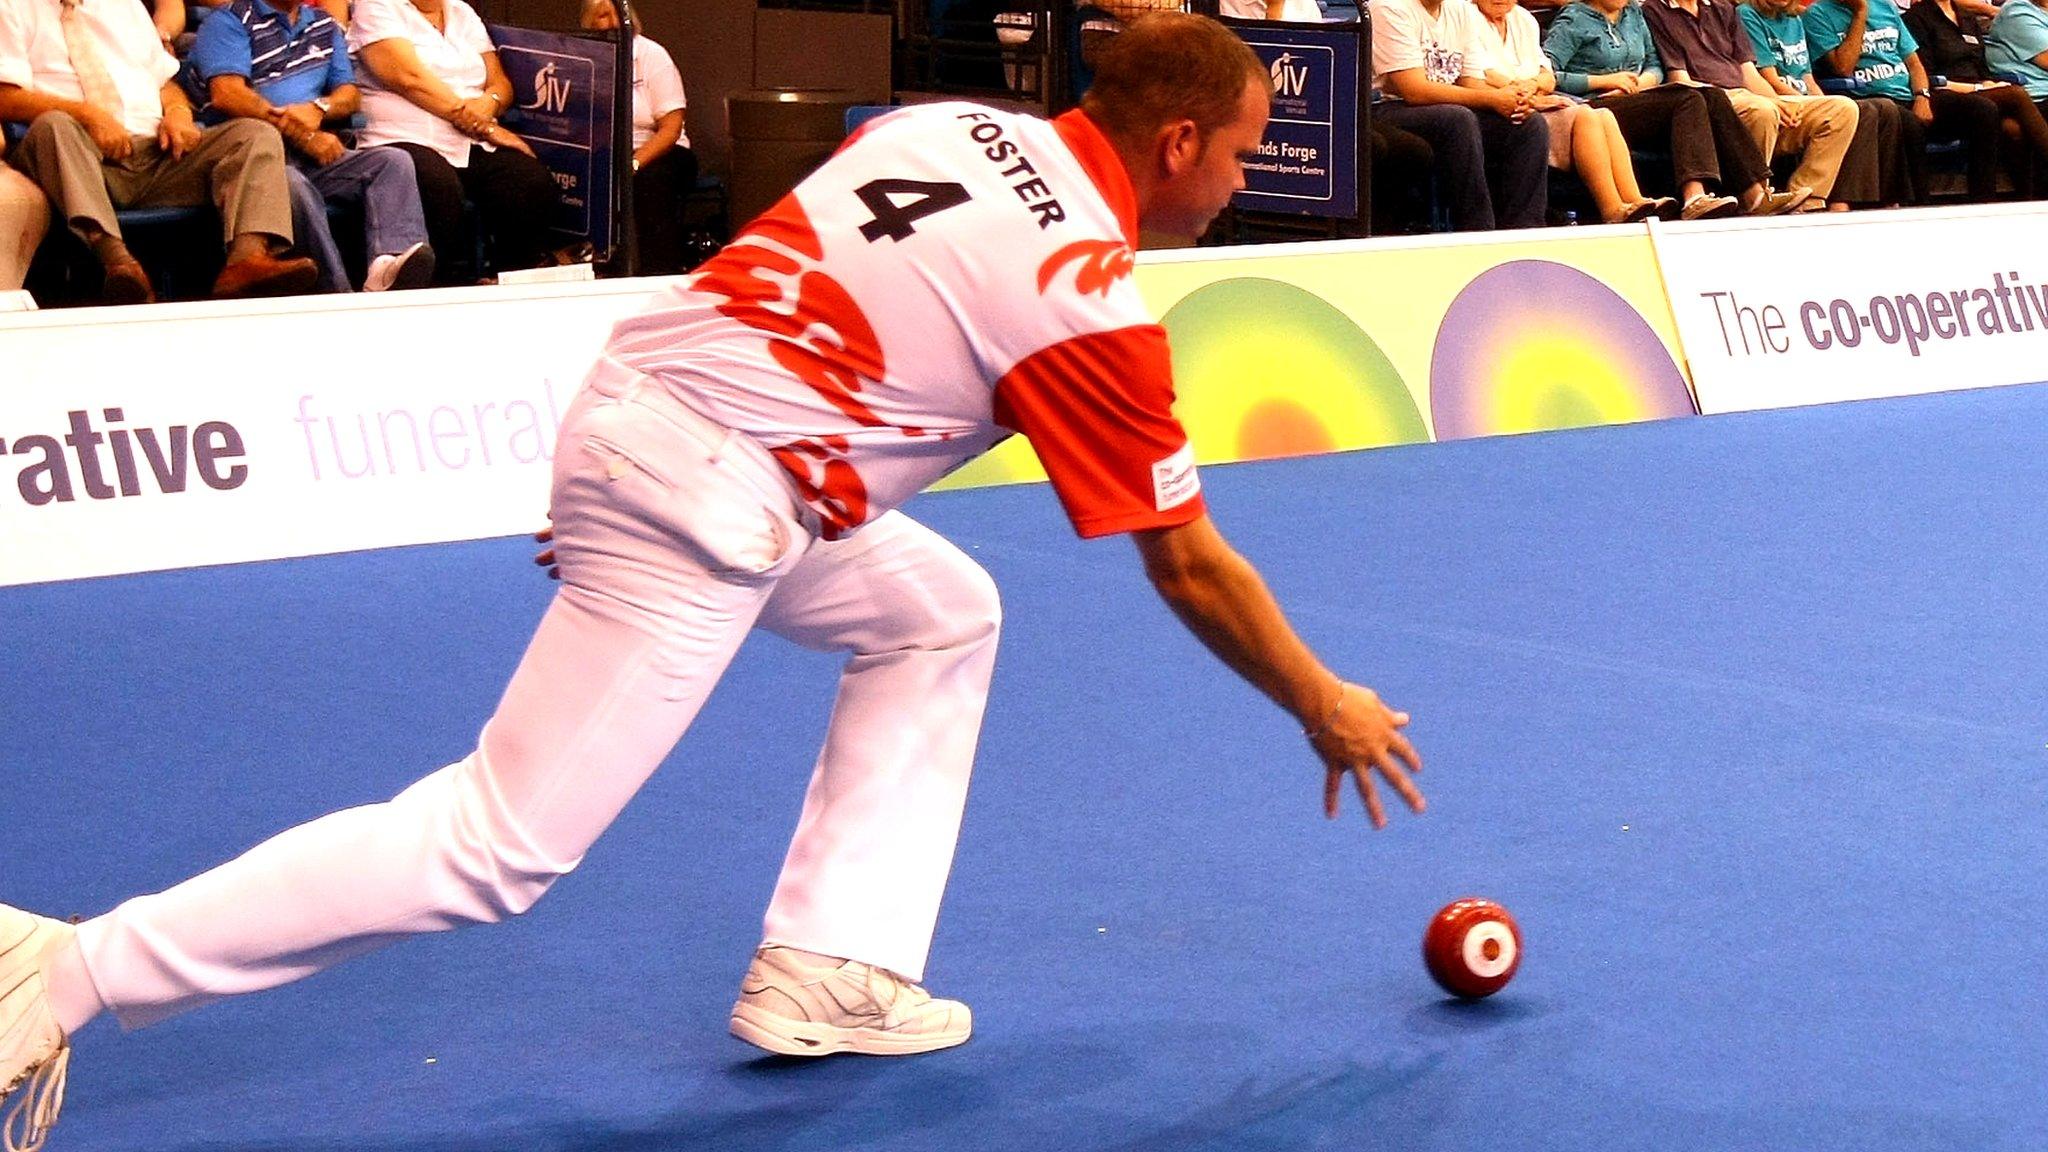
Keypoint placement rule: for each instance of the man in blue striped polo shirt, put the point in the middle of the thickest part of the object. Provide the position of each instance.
(286, 63)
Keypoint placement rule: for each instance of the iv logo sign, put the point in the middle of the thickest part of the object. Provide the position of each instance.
(113, 462)
(1290, 75)
(1308, 164)
(550, 90)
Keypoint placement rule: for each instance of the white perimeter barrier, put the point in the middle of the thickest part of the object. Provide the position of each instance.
(136, 439)
(1859, 305)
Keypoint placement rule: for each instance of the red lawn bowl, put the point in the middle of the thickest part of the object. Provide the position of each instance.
(1472, 948)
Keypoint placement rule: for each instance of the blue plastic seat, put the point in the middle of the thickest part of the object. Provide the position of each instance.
(860, 114)
(161, 217)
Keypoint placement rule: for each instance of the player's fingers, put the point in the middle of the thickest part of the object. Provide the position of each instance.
(1406, 751)
(1330, 778)
(545, 558)
(1402, 784)
(544, 535)
(1371, 795)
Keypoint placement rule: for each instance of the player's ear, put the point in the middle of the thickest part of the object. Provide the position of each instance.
(1180, 142)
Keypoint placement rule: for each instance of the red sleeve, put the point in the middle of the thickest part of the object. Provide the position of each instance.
(1099, 411)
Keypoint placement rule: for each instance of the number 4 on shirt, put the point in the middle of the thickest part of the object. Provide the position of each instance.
(897, 219)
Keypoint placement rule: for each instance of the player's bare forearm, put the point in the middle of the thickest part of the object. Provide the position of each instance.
(1224, 602)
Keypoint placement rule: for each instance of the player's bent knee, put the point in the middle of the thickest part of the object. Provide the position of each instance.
(498, 880)
(972, 609)
(484, 868)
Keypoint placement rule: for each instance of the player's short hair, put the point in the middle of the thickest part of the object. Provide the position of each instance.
(1170, 66)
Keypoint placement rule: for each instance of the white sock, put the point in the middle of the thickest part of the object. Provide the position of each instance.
(74, 998)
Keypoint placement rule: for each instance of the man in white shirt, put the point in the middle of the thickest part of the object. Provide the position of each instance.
(110, 128)
(1492, 151)
(953, 275)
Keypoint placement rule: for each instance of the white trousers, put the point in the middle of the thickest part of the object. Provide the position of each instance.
(674, 538)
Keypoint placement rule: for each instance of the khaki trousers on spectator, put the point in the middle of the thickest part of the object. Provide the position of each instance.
(24, 218)
(1826, 126)
(238, 166)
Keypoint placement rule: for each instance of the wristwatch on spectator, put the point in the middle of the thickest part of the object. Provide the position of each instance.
(1922, 94)
(325, 106)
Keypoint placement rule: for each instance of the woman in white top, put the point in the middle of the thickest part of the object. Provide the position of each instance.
(432, 85)
(1293, 11)
(664, 168)
(1582, 137)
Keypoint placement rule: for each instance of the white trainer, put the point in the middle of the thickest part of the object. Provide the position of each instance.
(794, 1006)
(34, 1052)
(412, 268)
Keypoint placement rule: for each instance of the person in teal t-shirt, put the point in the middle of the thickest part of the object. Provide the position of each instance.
(1602, 50)
(1834, 30)
(1873, 172)
(2017, 46)
(1779, 37)
(1865, 44)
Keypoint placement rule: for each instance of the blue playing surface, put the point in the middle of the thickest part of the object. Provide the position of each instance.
(1742, 716)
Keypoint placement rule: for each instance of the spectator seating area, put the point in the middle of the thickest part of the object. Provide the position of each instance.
(1046, 49)
(179, 247)
(1033, 53)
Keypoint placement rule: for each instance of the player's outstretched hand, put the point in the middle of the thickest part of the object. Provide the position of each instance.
(546, 556)
(1363, 736)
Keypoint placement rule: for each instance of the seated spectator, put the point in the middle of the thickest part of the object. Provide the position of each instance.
(1601, 49)
(173, 17)
(2016, 46)
(1582, 138)
(1294, 11)
(177, 18)
(1491, 149)
(433, 87)
(1874, 169)
(1953, 35)
(110, 128)
(1401, 163)
(1702, 41)
(1866, 42)
(664, 168)
(1129, 10)
(1023, 46)
(285, 63)
(1102, 19)
(24, 218)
